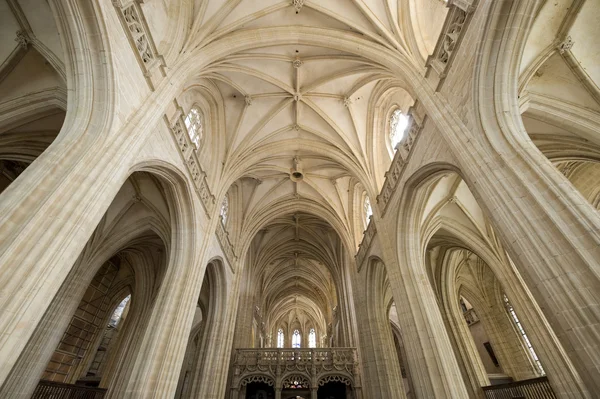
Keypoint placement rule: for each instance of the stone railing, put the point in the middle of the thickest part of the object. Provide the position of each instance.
(392, 176)
(314, 367)
(137, 31)
(363, 248)
(187, 149)
(226, 245)
(458, 18)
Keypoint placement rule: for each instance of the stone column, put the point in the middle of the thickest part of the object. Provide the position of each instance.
(277, 393)
(313, 392)
(430, 357)
(380, 367)
(551, 232)
(211, 370)
(158, 361)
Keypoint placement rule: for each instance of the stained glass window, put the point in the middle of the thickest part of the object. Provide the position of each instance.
(312, 338)
(193, 123)
(398, 125)
(296, 338)
(280, 338)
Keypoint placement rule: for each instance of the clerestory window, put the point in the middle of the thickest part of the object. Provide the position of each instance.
(368, 210)
(398, 124)
(225, 209)
(280, 338)
(296, 338)
(193, 123)
(312, 338)
(513, 315)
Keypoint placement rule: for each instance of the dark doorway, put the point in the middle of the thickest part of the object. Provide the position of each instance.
(259, 390)
(332, 390)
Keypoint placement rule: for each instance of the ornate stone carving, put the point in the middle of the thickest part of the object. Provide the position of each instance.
(297, 63)
(305, 366)
(450, 36)
(139, 36)
(347, 102)
(226, 245)
(257, 378)
(138, 33)
(335, 378)
(455, 25)
(566, 45)
(298, 5)
(364, 246)
(190, 158)
(248, 100)
(23, 39)
(396, 168)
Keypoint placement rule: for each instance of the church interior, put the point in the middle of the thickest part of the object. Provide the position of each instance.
(300, 199)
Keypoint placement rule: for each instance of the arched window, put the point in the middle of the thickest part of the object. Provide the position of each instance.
(116, 316)
(398, 125)
(312, 338)
(296, 338)
(280, 338)
(225, 209)
(367, 209)
(515, 319)
(193, 123)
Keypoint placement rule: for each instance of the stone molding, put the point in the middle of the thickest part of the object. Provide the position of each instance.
(365, 245)
(401, 158)
(138, 33)
(226, 245)
(190, 158)
(457, 21)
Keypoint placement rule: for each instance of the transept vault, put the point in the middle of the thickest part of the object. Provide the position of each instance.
(282, 199)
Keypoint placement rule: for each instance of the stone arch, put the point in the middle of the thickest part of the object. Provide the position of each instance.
(257, 377)
(336, 377)
(304, 378)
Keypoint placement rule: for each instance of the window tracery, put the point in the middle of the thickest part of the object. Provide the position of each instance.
(225, 209)
(193, 123)
(398, 124)
(280, 338)
(296, 338)
(312, 338)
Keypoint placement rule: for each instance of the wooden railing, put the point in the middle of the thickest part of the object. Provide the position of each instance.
(57, 390)
(536, 388)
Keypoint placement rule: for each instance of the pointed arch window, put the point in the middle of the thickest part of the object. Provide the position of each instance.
(118, 313)
(368, 210)
(193, 123)
(517, 322)
(296, 339)
(398, 124)
(225, 209)
(312, 338)
(280, 338)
